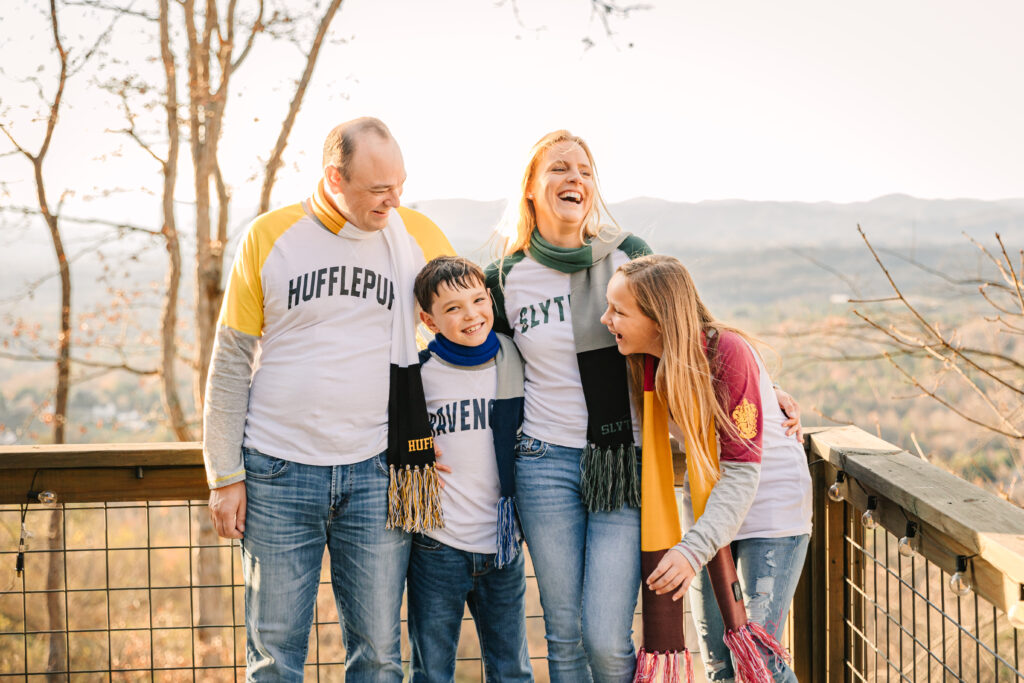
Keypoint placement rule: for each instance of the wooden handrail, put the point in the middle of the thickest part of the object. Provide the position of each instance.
(80, 473)
(955, 516)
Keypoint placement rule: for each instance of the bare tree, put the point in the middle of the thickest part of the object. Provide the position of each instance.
(58, 655)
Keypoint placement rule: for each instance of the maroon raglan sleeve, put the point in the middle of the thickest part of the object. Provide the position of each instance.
(739, 388)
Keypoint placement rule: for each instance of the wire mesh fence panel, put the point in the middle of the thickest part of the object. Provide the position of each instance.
(905, 623)
(143, 591)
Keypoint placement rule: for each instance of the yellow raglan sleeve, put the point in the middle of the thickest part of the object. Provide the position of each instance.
(428, 236)
(242, 306)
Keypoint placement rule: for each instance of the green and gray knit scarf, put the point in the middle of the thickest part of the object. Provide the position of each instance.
(609, 477)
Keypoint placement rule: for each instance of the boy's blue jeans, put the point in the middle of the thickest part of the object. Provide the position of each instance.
(442, 581)
(587, 565)
(295, 511)
(768, 570)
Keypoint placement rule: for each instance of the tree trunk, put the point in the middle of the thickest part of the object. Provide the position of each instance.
(274, 163)
(169, 314)
(57, 658)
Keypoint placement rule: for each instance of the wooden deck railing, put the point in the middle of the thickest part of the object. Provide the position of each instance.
(862, 611)
(849, 626)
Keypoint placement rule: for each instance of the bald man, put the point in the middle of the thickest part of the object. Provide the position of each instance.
(296, 414)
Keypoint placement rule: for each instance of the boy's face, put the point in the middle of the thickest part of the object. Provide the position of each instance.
(462, 314)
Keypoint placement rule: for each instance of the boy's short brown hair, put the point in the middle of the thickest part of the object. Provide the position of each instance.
(455, 271)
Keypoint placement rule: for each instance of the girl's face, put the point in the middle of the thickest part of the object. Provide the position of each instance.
(634, 332)
(562, 188)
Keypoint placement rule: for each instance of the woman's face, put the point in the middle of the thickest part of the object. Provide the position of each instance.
(562, 188)
(634, 332)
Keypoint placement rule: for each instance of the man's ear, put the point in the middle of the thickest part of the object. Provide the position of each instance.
(429, 322)
(332, 179)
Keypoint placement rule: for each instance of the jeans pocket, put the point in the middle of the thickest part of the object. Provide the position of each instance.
(528, 448)
(424, 542)
(381, 462)
(261, 466)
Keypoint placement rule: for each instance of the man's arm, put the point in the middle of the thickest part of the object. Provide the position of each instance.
(227, 401)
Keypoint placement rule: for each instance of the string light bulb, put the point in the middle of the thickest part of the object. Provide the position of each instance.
(835, 494)
(959, 583)
(1015, 615)
(906, 545)
(868, 519)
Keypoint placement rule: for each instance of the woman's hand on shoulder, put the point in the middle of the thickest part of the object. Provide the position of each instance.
(672, 573)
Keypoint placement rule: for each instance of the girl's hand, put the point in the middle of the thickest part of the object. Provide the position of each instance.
(673, 572)
(792, 410)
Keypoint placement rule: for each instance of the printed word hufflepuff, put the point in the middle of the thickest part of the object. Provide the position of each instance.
(341, 281)
(420, 444)
(461, 416)
(543, 312)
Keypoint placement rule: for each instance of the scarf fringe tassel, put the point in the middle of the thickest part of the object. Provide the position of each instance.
(508, 532)
(663, 667)
(743, 644)
(414, 499)
(609, 478)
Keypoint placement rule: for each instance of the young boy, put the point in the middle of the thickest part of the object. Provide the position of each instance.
(473, 383)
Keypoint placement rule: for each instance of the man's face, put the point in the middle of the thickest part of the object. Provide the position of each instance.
(374, 186)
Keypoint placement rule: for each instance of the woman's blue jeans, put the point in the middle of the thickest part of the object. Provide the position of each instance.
(587, 566)
(295, 511)
(768, 570)
(442, 581)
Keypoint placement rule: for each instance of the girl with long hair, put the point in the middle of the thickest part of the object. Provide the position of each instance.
(748, 483)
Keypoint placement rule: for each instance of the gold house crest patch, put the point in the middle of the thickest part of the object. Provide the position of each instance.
(745, 417)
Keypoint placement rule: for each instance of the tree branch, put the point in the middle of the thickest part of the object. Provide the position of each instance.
(954, 409)
(80, 361)
(274, 163)
(925, 324)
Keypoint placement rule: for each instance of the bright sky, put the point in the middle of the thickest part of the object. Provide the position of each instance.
(745, 99)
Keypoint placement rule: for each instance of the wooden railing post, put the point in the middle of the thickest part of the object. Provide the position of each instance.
(808, 627)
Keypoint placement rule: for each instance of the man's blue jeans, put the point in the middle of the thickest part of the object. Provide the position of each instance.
(442, 581)
(768, 570)
(587, 565)
(293, 512)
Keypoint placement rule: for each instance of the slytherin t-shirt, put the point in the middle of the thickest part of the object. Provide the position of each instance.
(537, 310)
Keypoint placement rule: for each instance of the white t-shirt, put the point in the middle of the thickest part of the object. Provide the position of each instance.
(459, 402)
(322, 368)
(782, 505)
(537, 310)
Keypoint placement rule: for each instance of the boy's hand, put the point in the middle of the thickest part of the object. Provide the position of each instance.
(673, 572)
(438, 466)
(792, 410)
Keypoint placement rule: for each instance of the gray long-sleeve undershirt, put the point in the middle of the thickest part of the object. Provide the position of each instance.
(226, 405)
(727, 507)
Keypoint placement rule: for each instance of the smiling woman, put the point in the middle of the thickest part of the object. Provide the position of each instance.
(576, 465)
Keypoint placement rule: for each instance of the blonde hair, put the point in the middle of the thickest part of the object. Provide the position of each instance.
(665, 293)
(522, 214)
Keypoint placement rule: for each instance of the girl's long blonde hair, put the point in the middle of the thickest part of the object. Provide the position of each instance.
(522, 214)
(665, 293)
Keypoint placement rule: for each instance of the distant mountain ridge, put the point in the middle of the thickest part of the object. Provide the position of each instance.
(895, 220)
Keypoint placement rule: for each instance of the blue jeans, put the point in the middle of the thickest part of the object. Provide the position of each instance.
(294, 512)
(442, 580)
(768, 570)
(587, 565)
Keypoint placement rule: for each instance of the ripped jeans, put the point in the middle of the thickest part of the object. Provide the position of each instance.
(768, 570)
